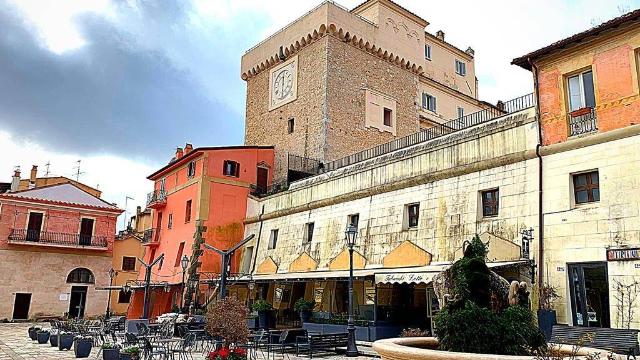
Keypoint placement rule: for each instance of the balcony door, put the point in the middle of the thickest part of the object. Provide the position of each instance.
(86, 231)
(263, 180)
(34, 227)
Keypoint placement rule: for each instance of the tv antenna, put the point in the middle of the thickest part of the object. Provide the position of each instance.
(46, 173)
(78, 172)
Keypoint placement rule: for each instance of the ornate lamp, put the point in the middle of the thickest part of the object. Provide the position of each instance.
(184, 262)
(350, 236)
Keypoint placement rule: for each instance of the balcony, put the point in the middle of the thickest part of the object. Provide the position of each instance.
(151, 237)
(582, 121)
(157, 199)
(55, 239)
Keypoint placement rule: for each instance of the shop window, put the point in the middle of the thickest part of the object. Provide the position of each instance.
(490, 202)
(411, 215)
(586, 187)
(128, 263)
(308, 232)
(273, 239)
(231, 168)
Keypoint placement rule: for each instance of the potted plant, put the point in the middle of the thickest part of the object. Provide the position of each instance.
(33, 332)
(65, 341)
(53, 338)
(263, 308)
(546, 312)
(228, 354)
(42, 336)
(82, 346)
(222, 322)
(130, 353)
(304, 307)
(110, 351)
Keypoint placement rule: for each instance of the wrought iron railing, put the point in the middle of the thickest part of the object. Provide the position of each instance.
(313, 167)
(56, 238)
(150, 235)
(156, 196)
(274, 188)
(583, 123)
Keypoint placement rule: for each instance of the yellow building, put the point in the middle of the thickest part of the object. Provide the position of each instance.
(127, 248)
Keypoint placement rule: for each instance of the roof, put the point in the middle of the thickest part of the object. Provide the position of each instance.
(53, 180)
(198, 151)
(523, 61)
(65, 194)
(394, 5)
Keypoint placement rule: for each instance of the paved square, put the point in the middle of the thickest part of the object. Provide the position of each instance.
(16, 345)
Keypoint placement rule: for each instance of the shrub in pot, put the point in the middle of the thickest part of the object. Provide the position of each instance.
(546, 312)
(130, 353)
(304, 307)
(65, 341)
(42, 336)
(110, 351)
(53, 338)
(82, 346)
(33, 330)
(263, 308)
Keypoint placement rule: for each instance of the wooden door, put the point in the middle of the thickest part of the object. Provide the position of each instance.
(34, 226)
(262, 180)
(86, 231)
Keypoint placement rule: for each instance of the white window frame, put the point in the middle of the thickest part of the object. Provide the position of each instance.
(405, 220)
(461, 67)
(427, 51)
(191, 169)
(93, 227)
(306, 232)
(583, 99)
(273, 239)
(26, 225)
(460, 110)
(425, 102)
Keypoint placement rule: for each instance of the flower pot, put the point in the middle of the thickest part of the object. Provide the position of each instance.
(546, 320)
(53, 339)
(33, 332)
(111, 354)
(43, 337)
(305, 315)
(65, 341)
(125, 356)
(82, 348)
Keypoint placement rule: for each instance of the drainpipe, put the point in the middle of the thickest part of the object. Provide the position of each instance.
(540, 191)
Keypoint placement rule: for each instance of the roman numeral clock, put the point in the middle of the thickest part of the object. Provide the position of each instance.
(283, 83)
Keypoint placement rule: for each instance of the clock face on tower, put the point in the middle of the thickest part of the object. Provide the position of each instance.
(283, 83)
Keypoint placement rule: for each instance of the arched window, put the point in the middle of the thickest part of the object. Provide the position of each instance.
(82, 276)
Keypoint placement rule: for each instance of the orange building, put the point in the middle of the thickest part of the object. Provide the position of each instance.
(56, 243)
(210, 185)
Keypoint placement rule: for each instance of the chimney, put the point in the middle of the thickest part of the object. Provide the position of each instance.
(470, 51)
(440, 35)
(138, 210)
(15, 181)
(187, 148)
(179, 153)
(33, 176)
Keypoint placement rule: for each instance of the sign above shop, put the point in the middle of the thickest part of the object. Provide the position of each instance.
(623, 254)
(405, 278)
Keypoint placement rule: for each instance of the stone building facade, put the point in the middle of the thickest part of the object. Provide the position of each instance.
(327, 77)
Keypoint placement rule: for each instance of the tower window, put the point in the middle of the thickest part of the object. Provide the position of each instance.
(387, 117)
(291, 125)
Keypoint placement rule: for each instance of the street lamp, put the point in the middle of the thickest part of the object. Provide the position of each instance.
(184, 263)
(350, 236)
(112, 274)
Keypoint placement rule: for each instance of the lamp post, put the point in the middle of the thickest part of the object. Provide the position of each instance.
(350, 236)
(184, 263)
(147, 283)
(112, 274)
(224, 263)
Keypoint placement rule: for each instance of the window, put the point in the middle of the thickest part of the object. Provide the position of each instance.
(128, 263)
(586, 187)
(291, 124)
(490, 202)
(191, 169)
(124, 297)
(81, 276)
(273, 239)
(429, 102)
(246, 260)
(412, 214)
(460, 112)
(427, 51)
(163, 183)
(231, 168)
(353, 219)
(170, 221)
(308, 232)
(461, 68)
(187, 212)
(581, 93)
(179, 255)
(387, 117)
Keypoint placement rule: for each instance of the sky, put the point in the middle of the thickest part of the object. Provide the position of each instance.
(119, 84)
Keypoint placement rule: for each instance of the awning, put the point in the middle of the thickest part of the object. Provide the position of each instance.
(316, 275)
(137, 286)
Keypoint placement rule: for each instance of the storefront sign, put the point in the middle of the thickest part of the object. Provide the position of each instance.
(623, 254)
(404, 278)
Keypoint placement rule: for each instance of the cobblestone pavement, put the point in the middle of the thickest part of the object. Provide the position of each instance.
(16, 345)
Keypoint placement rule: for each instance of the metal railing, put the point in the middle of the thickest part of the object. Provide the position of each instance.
(313, 167)
(269, 190)
(583, 123)
(156, 196)
(150, 235)
(56, 238)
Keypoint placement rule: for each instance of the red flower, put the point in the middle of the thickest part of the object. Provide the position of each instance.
(224, 352)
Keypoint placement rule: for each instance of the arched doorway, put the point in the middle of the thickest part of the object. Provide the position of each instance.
(78, 298)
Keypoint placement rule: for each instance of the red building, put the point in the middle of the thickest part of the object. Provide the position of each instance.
(56, 245)
(210, 185)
